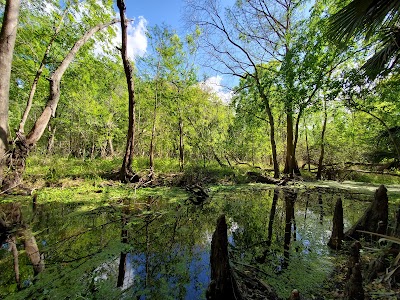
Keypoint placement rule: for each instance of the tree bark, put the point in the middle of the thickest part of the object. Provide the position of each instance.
(126, 173)
(7, 42)
(23, 145)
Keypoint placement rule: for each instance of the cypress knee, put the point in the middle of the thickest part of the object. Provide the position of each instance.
(375, 218)
(335, 241)
(354, 289)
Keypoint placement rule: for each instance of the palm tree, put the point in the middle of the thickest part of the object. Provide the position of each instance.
(372, 18)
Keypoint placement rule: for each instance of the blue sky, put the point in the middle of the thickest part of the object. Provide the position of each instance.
(157, 12)
(149, 13)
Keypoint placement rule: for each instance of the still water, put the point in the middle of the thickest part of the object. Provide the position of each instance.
(156, 247)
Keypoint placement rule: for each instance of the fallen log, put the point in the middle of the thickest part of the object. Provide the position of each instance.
(257, 177)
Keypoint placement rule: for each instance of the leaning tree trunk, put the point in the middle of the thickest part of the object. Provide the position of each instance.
(126, 173)
(39, 72)
(24, 144)
(7, 41)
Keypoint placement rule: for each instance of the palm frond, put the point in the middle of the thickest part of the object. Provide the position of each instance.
(388, 54)
(362, 16)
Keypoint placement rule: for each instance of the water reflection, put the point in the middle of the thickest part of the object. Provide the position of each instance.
(15, 233)
(159, 248)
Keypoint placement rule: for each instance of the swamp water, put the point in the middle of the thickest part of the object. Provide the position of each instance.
(157, 247)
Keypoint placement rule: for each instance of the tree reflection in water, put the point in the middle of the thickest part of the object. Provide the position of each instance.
(156, 247)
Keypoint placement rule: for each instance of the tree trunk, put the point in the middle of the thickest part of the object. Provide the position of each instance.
(321, 156)
(126, 173)
(296, 169)
(39, 73)
(219, 161)
(308, 152)
(7, 41)
(181, 146)
(272, 129)
(289, 166)
(110, 145)
(335, 242)
(23, 145)
(50, 143)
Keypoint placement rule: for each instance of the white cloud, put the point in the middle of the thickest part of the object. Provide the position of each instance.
(137, 39)
(49, 8)
(213, 84)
